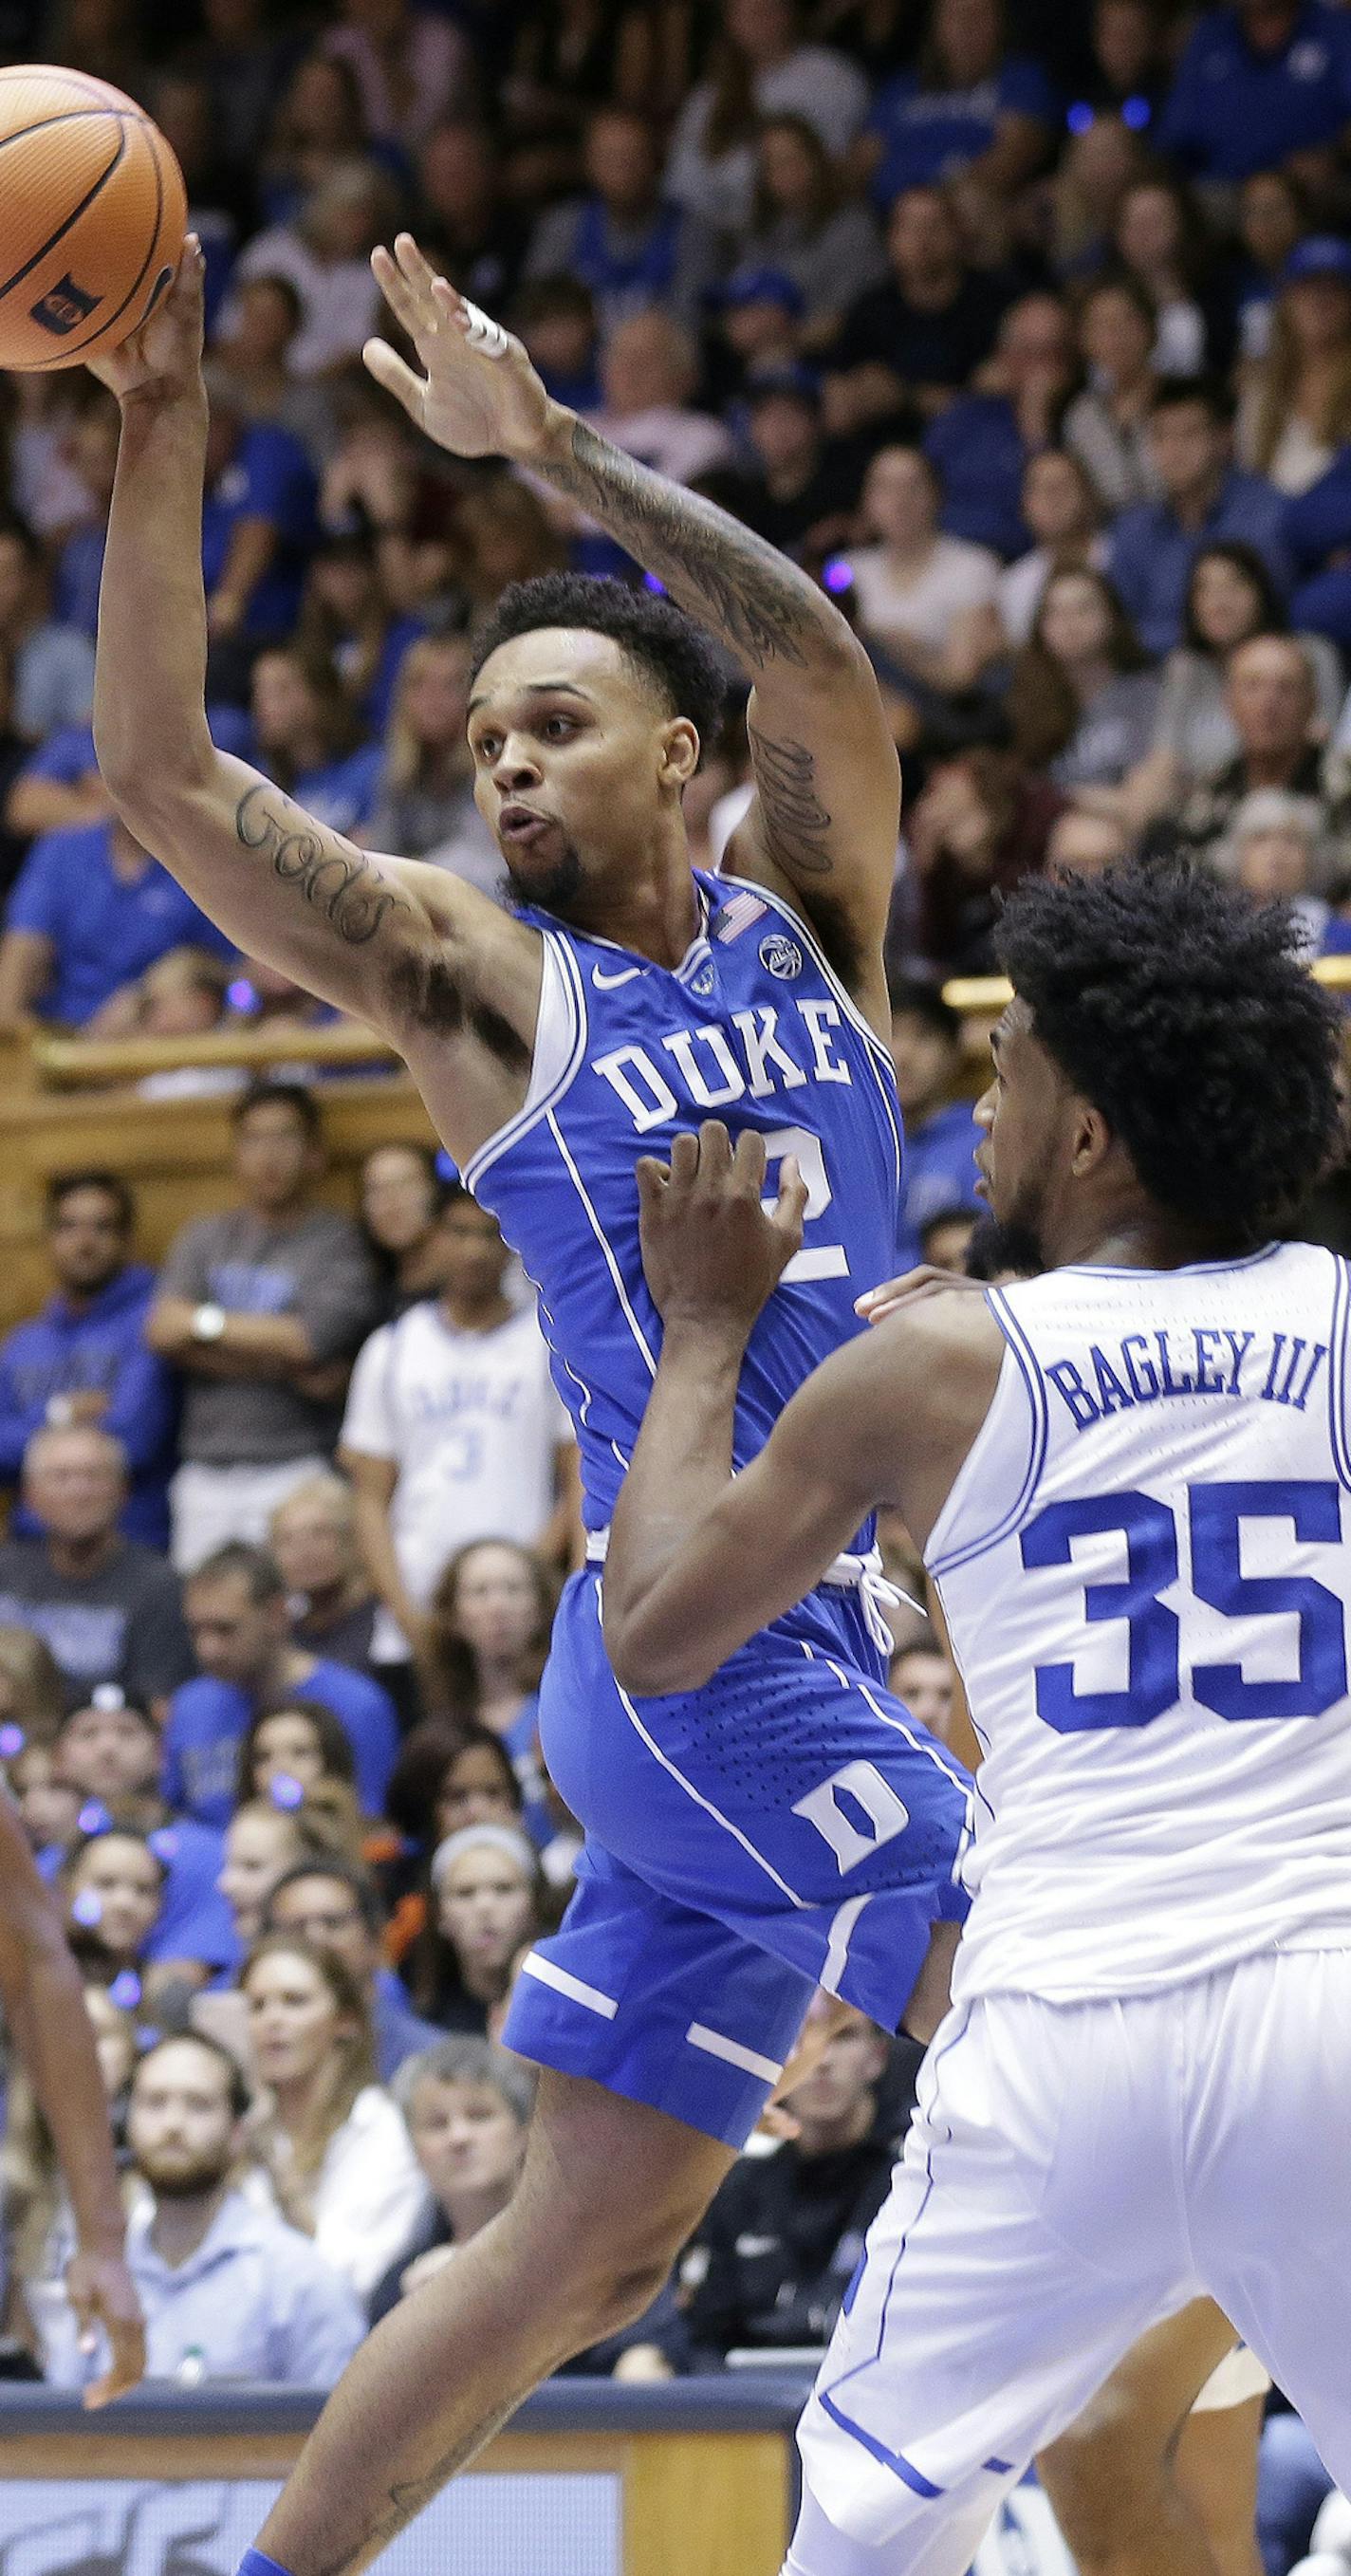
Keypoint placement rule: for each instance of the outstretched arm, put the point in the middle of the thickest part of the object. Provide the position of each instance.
(824, 824)
(386, 939)
(44, 2008)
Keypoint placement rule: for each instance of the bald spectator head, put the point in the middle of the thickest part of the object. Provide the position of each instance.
(649, 365)
(75, 1484)
(1085, 844)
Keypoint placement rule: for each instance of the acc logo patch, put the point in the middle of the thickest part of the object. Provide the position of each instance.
(64, 307)
(781, 957)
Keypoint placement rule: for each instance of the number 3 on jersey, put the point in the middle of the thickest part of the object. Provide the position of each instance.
(1216, 1516)
(815, 1260)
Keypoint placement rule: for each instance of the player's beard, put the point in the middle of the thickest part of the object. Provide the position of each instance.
(552, 889)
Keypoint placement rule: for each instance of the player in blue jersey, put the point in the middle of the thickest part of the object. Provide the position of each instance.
(789, 1826)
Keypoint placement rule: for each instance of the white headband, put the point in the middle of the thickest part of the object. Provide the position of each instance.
(499, 1838)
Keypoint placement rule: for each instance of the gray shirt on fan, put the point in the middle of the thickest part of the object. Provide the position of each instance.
(316, 1268)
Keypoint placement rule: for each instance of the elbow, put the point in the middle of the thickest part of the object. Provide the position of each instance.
(646, 1664)
(150, 772)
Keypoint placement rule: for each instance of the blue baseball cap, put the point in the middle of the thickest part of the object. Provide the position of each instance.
(1322, 255)
(764, 286)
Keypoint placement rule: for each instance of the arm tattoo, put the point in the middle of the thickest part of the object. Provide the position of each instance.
(340, 884)
(758, 603)
(795, 822)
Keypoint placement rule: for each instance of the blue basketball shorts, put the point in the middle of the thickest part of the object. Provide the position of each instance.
(789, 1826)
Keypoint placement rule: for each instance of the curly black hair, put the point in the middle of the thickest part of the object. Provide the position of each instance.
(1186, 1014)
(663, 645)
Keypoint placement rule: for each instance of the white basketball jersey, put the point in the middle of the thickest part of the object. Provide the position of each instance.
(1145, 1571)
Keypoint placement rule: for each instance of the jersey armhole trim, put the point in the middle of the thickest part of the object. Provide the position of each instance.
(1019, 1350)
(560, 1043)
(1337, 1367)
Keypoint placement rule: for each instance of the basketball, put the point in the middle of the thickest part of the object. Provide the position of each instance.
(92, 214)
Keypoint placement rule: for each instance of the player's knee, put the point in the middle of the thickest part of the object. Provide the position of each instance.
(1107, 2486)
(606, 2264)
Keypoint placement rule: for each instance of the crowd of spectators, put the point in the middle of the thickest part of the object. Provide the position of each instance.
(1026, 331)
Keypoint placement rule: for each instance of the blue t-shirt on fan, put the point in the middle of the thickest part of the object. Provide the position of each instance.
(208, 1719)
(104, 929)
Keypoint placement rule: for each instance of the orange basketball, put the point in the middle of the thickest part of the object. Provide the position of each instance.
(92, 211)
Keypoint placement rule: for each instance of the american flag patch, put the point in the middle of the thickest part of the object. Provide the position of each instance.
(739, 914)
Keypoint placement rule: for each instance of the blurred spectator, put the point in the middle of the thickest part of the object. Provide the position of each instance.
(91, 446)
(289, 1749)
(318, 128)
(802, 490)
(923, 1679)
(626, 242)
(1081, 701)
(32, 1695)
(89, 912)
(345, 618)
(1273, 850)
(969, 106)
(917, 337)
(467, 2104)
(262, 1842)
(53, 683)
(476, 236)
(241, 63)
(803, 225)
(261, 1307)
(571, 56)
(649, 370)
(507, 535)
(1107, 425)
(1205, 497)
(49, 1804)
(772, 2259)
(424, 802)
(1295, 416)
(1230, 597)
(1163, 249)
(402, 1195)
(313, 1537)
(236, 1611)
(1261, 82)
(555, 317)
(333, 1904)
(325, 252)
(83, 1359)
(928, 600)
(978, 829)
(1129, 74)
(108, 1607)
(1271, 217)
(941, 1134)
(309, 738)
(253, 376)
(110, 1751)
(1316, 529)
(58, 785)
(183, 995)
(257, 522)
(326, 2135)
(221, 204)
(982, 442)
(411, 64)
(1101, 159)
(1060, 509)
(453, 1428)
(475, 1784)
(760, 330)
(487, 1636)
(112, 1884)
(1272, 703)
(228, 2292)
(485, 1907)
(38, 2222)
(1085, 844)
(760, 66)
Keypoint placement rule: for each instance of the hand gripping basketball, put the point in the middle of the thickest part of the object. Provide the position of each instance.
(480, 395)
(163, 360)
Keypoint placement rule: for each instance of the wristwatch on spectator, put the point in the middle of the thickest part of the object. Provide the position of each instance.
(208, 1322)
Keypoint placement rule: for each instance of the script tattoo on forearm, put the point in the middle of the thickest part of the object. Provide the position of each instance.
(342, 885)
(795, 821)
(764, 609)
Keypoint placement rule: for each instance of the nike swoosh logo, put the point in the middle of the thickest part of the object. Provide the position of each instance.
(604, 983)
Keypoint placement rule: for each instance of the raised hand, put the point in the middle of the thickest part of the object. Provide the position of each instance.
(163, 360)
(713, 1249)
(480, 395)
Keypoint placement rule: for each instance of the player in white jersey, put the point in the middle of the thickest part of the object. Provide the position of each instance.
(1129, 1480)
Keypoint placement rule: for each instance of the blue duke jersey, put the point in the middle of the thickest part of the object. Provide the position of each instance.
(752, 1028)
(1145, 1571)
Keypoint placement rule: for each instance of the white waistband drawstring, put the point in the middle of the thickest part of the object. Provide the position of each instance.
(861, 1574)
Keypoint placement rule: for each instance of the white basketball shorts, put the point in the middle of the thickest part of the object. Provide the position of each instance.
(1073, 2174)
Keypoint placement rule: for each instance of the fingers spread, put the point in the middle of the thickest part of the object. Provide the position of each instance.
(715, 1150)
(684, 1158)
(391, 371)
(748, 1162)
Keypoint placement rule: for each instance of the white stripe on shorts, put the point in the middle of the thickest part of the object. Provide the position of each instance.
(714, 2044)
(564, 1983)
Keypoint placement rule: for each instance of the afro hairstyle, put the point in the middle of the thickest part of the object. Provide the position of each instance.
(1186, 1014)
(660, 643)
